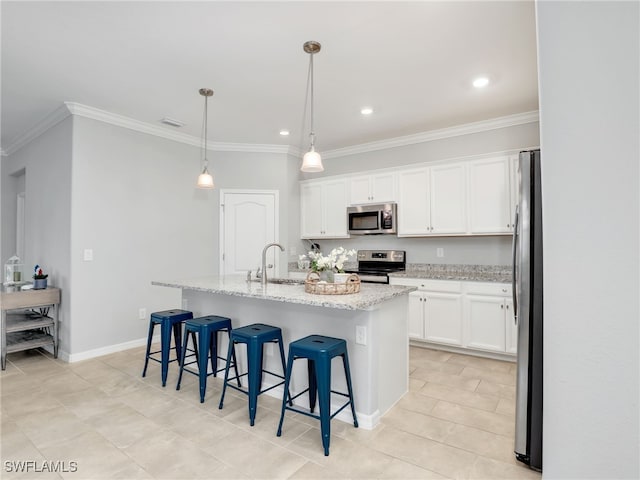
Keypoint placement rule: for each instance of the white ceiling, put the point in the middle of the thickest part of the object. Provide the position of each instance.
(413, 62)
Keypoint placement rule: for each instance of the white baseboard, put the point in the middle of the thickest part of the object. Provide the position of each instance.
(99, 352)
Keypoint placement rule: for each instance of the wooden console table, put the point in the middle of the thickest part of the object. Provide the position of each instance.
(26, 322)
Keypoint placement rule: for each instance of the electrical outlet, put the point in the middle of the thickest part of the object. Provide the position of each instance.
(142, 313)
(361, 335)
(88, 255)
(439, 252)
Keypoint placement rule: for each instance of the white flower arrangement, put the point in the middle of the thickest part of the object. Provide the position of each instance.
(333, 262)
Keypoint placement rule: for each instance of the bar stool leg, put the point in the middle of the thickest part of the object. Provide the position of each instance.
(177, 338)
(284, 370)
(205, 339)
(323, 376)
(184, 354)
(347, 374)
(146, 358)
(313, 385)
(254, 354)
(230, 352)
(214, 352)
(287, 379)
(165, 339)
(235, 365)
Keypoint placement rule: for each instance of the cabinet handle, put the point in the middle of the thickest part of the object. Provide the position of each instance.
(507, 307)
(504, 290)
(501, 306)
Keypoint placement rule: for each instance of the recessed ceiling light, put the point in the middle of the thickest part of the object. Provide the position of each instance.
(481, 82)
(172, 122)
(284, 133)
(366, 111)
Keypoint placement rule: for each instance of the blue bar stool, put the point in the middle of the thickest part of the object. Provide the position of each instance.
(319, 351)
(254, 336)
(168, 320)
(206, 329)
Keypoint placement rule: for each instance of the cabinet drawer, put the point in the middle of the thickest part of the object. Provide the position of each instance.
(428, 284)
(497, 289)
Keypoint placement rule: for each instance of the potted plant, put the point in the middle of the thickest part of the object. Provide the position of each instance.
(39, 278)
(331, 267)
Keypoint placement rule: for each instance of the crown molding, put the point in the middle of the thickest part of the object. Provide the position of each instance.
(143, 127)
(465, 129)
(38, 129)
(72, 108)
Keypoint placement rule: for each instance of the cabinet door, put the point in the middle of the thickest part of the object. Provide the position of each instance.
(416, 316)
(311, 210)
(486, 323)
(443, 318)
(383, 187)
(335, 209)
(448, 199)
(413, 203)
(490, 196)
(359, 191)
(511, 331)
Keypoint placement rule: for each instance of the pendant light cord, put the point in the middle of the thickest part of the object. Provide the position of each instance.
(204, 132)
(312, 133)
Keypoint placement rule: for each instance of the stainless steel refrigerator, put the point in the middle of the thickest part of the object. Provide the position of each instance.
(527, 299)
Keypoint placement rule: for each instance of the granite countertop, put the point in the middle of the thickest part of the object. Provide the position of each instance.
(237, 285)
(472, 273)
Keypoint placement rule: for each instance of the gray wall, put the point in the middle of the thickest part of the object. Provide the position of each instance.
(46, 163)
(135, 204)
(589, 77)
(480, 250)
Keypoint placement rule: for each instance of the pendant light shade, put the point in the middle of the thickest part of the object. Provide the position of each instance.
(205, 179)
(312, 161)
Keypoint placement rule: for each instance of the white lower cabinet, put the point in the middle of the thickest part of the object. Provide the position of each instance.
(469, 315)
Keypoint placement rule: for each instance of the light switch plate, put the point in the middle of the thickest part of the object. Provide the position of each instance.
(88, 255)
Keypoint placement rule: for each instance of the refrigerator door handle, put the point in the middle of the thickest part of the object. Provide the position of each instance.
(514, 282)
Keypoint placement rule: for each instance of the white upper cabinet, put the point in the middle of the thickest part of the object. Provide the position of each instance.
(449, 199)
(493, 194)
(377, 188)
(323, 209)
(413, 202)
(489, 196)
(432, 201)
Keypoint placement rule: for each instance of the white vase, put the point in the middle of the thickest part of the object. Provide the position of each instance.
(340, 277)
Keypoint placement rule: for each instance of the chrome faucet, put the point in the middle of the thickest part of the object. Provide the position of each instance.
(263, 278)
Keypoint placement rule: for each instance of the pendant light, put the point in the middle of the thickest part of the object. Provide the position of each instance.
(311, 162)
(205, 179)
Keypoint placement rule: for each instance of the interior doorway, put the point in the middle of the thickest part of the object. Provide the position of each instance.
(248, 222)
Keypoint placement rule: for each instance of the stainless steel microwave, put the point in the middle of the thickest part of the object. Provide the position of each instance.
(372, 219)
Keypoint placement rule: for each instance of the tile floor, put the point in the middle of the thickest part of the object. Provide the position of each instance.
(455, 422)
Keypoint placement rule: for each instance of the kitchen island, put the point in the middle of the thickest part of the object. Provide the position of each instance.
(373, 322)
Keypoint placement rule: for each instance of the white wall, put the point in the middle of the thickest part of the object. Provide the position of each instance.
(46, 162)
(588, 64)
(135, 204)
(486, 250)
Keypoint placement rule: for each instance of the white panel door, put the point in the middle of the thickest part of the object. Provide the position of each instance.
(383, 187)
(248, 223)
(413, 202)
(490, 196)
(443, 315)
(448, 199)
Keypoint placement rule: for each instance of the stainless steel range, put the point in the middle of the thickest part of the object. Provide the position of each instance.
(374, 266)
